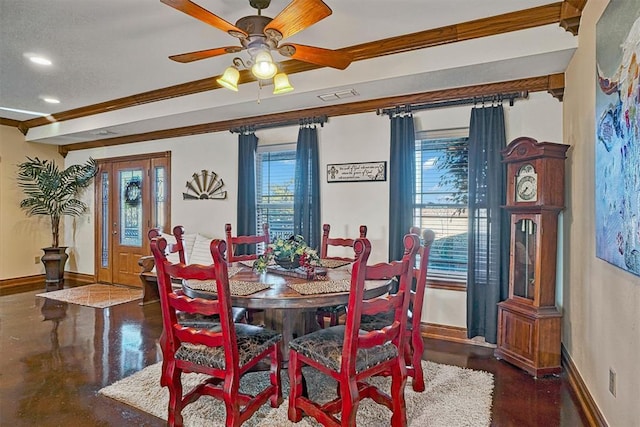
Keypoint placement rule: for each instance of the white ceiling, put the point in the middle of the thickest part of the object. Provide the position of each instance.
(107, 49)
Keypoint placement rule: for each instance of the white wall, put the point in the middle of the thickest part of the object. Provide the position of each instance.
(345, 139)
(22, 236)
(601, 324)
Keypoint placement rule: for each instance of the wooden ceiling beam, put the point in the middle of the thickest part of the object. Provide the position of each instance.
(533, 84)
(485, 27)
(9, 122)
(570, 15)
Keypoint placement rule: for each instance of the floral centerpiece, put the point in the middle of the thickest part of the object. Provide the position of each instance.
(289, 254)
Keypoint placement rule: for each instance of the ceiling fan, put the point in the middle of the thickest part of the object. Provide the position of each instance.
(258, 33)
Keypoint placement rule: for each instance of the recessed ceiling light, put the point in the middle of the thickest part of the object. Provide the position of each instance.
(37, 59)
(51, 100)
(17, 110)
(40, 60)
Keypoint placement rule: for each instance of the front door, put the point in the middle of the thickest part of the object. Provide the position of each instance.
(132, 220)
(132, 198)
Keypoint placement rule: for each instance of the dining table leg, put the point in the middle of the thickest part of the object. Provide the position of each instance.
(291, 323)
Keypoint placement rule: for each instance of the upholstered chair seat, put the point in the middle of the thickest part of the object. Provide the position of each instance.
(252, 341)
(325, 347)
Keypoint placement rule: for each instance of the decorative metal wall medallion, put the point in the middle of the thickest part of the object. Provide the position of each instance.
(205, 185)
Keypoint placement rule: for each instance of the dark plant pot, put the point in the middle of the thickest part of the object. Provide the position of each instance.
(287, 263)
(54, 260)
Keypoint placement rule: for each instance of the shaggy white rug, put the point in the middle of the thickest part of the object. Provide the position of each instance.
(454, 397)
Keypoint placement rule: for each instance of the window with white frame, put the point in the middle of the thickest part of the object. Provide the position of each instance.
(275, 176)
(441, 199)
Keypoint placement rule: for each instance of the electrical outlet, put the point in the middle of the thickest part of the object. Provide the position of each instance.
(36, 260)
(612, 382)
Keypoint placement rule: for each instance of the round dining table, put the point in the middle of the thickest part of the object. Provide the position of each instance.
(286, 310)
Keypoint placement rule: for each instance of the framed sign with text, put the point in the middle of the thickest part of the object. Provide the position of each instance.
(357, 172)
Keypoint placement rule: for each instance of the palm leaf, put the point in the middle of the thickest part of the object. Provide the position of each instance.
(53, 192)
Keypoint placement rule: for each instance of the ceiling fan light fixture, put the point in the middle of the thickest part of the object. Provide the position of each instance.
(230, 78)
(263, 67)
(281, 84)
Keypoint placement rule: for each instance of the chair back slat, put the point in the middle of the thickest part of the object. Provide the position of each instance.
(337, 241)
(399, 301)
(379, 337)
(193, 305)
(234, 241)
(380, 305)
(199, 336)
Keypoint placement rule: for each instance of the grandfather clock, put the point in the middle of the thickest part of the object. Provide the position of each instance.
(528, 321)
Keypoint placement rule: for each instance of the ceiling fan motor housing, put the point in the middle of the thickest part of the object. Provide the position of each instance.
(257, 40)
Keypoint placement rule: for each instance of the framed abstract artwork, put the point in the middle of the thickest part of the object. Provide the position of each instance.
(617, 149)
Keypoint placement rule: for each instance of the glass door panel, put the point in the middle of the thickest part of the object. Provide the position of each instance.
(131, 215)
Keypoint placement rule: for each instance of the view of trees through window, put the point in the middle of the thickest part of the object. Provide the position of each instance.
(441, 202)
(275, 171)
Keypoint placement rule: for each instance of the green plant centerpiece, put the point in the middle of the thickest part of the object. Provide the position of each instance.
(289, 254)
(53, 192)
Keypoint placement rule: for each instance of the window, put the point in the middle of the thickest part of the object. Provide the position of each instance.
(275, 177)
(441, 200)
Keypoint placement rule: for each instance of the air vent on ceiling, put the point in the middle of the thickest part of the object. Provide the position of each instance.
(103, 132)
(338, 95)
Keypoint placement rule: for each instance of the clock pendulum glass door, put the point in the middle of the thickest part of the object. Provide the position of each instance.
(524, 259)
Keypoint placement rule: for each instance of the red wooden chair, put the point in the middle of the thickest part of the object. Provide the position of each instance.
(232, 245)
(349, 355)
(224, 352)
(333, 313)
(414, 344)
(239, 314)
(337, 241)
(234, 241)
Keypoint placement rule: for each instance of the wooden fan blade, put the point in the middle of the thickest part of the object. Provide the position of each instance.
(204, 54)
(192, 9)
(298, 15)
(317, 55)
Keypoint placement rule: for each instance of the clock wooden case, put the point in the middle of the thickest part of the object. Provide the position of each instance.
(528, 321)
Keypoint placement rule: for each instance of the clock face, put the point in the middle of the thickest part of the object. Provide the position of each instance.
(526, 188)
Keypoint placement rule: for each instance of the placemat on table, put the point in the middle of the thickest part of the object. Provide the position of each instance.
(233, 270)
(237, 287)
(334, 263)
(321, 287)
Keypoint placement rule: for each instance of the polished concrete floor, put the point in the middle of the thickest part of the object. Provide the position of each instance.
(56, 356)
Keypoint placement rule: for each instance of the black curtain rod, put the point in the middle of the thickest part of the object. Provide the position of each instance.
(305, 121)
(499, 97)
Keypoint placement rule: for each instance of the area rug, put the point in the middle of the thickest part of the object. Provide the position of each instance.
(96, 295)
(454, 397)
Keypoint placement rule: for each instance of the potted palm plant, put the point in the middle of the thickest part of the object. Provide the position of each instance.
(53, 192)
